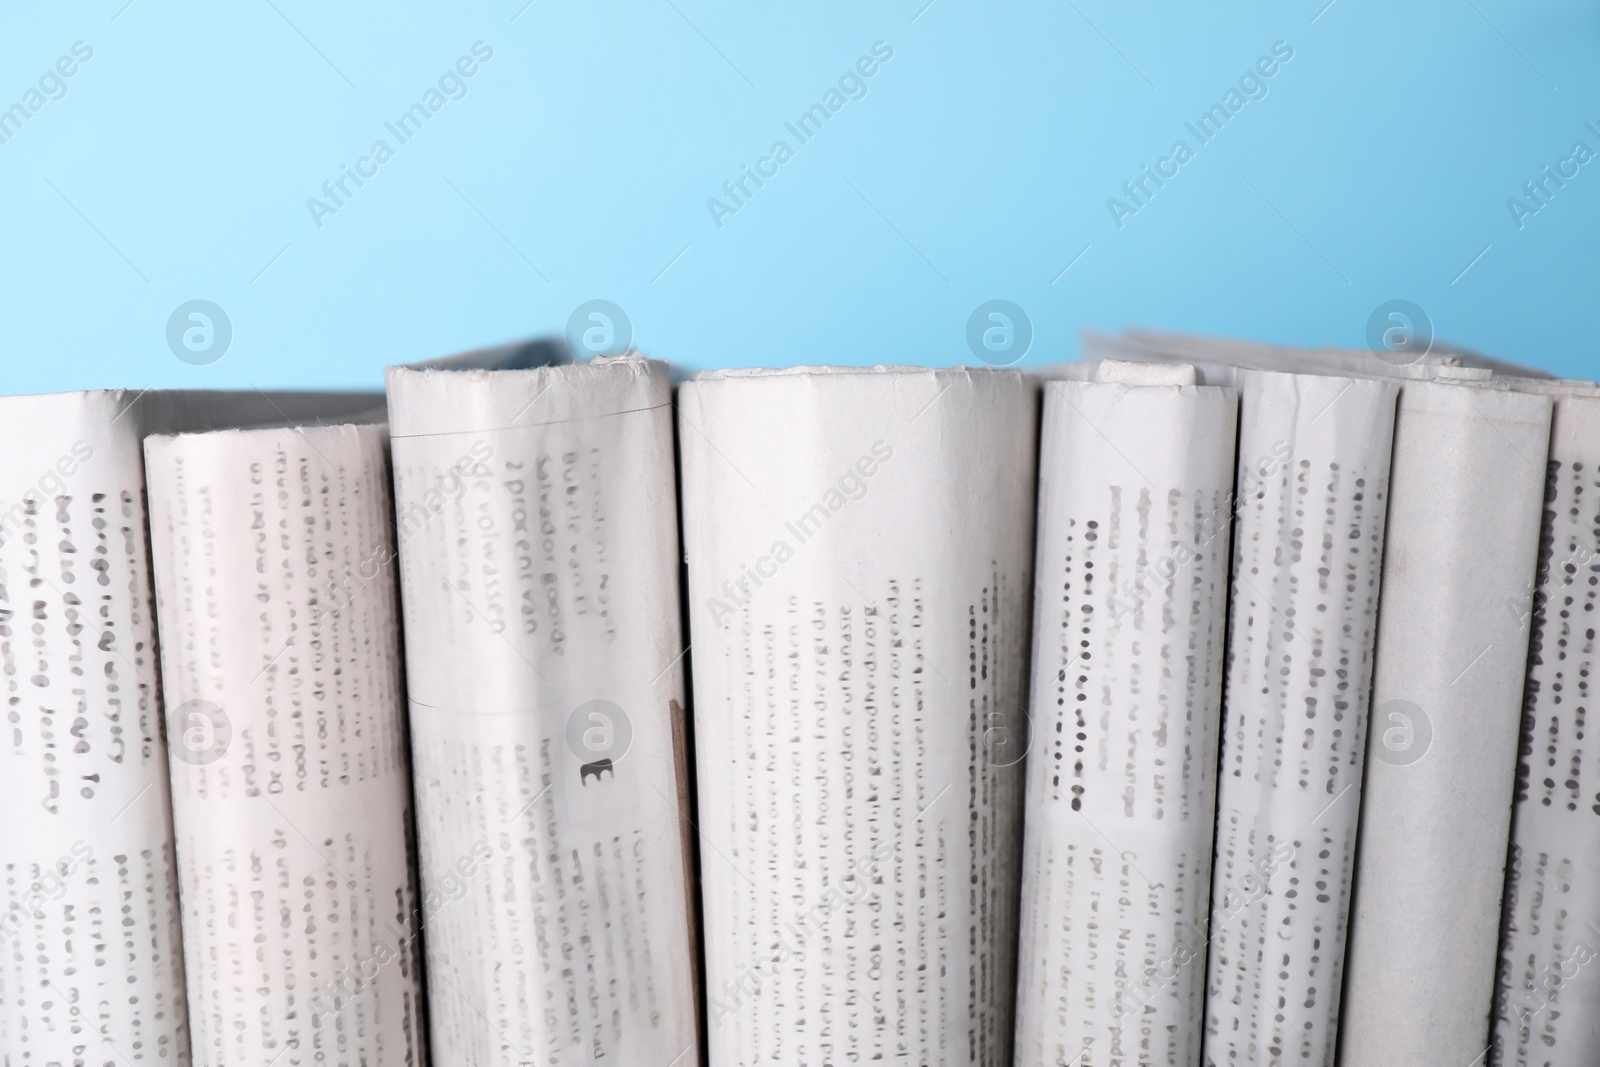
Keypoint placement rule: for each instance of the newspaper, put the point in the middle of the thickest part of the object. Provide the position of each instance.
(537, 530)
(272, 552)
(1466, 494)
(1312, 497)
(1135, 513)
(860, 545)
(1471, 440)
(1547, 1004)
(90, 962)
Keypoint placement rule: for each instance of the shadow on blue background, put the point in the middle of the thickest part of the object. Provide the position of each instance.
(604, 151)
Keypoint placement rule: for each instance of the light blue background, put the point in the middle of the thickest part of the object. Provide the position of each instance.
(978, 166)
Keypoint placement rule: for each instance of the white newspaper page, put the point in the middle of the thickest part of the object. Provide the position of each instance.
(1130, 606)
(1312, 497)
(539, 566)
(860, 549)
(1547, 1006)
(1466, 496)
(273, 555)
(90, 964)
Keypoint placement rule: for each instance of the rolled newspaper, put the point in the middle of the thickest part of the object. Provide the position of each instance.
(91, 968)
(1547, 1004)
(1313, 493)
(1135, 512)
(280, 648)
(1465, 499)
(539, 563)
(859, 546)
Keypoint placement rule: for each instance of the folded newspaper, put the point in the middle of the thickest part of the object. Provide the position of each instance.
(90, 957)
(538, 551)
(291, 787)
(1135, 503)
(859, 544)
(1201, 703)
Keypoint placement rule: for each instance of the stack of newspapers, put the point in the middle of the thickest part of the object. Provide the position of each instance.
(1197, 703)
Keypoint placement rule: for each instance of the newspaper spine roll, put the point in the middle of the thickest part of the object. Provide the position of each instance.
(1461, 546)
(89, 935)
(1131, 603)
(1312, 496)
(1548, 997)
(859, 546)
(539, 563)
(281, 670)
